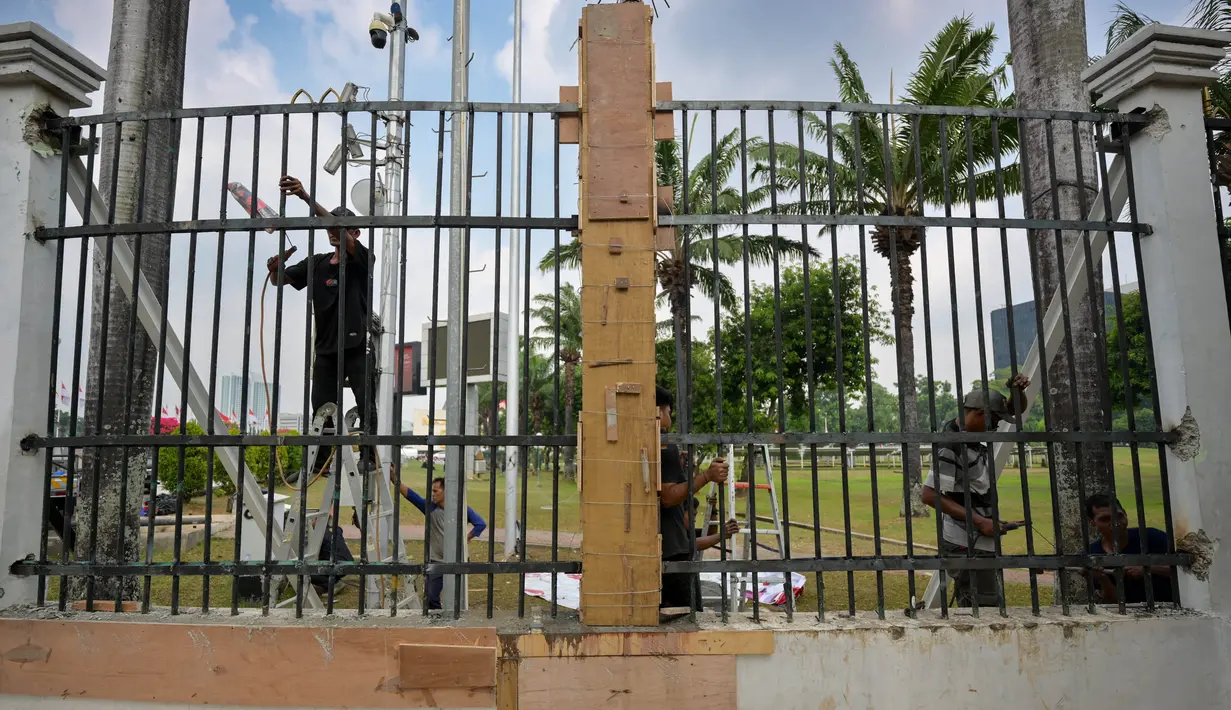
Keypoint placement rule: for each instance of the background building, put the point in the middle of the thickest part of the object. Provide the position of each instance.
(231, 399)
(1024, 322)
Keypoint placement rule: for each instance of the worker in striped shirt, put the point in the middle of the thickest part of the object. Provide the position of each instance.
(960, 480)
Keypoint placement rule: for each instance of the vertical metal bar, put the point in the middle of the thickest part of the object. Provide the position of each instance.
(804, 208)
(272, 401)
(839, 357)
(748, 416)
(971, 534)
(555, 479)
(1018, 417)
(189, 300)
(1100, 341)
(916, 129)
(240, 563)
(78, 343)
(982, 338)
(131, 354)
(213, 356)
(369, 406)
(460, 583)
(430, 468)
(1044, 389)
(102, 369)
(53, 412)
(784, 544)
(525, 477)
(1122, 344)
(495, 413)
(722, 502)
(1149, 337)
(339, 356)
(683, 360)
(310, 471)
(1068, 339)
(860, 197)
(892, 208)
(398, 541)
(1223, 234)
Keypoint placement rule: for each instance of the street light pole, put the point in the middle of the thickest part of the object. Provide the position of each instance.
(390, 266)
(455, 374)
(512, 411)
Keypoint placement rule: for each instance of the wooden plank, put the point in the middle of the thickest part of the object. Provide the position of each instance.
(620, 553)
(638, 683)
(664, 121)
(433, 667)
(570, 124)
(214, 664)
(613, 416)
(100, 605)
(628, 388)
(664, 238)
(758, 642)
(506, 684)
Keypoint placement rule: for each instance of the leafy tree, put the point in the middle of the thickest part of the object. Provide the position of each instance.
(703, 401)
(946, 401)
(1132, 328)
(195, 468)
(875, 171)
(784, 313)
(561, 314)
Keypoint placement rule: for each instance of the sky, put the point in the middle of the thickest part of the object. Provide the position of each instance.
(262, 51)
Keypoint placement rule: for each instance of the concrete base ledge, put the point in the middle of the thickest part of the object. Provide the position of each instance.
(1173, 659)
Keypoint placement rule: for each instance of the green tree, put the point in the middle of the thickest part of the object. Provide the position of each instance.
(784, 313)
(1132, 329)
(560, 315)
(703, 401)
(946, 401)
(195, 468)
(875, 171)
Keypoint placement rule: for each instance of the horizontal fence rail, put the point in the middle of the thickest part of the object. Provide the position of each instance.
(803, 248)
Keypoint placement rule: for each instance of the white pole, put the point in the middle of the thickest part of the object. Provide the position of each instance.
(455, 376)
(512, 410)
(390, 260)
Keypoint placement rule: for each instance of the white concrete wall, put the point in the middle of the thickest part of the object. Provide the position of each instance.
(1048, 663)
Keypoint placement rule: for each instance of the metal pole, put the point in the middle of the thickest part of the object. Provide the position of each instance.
(390, 247)
(512, 410)
(455, 388)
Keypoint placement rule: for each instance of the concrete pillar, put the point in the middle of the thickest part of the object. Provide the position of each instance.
(39, 74)
(1161, 71)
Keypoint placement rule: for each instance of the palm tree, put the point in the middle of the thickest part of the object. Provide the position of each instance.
(146, 61)
(559, 333)
(875, 170)
(690, 264)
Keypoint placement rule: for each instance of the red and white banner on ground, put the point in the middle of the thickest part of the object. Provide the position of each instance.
(568, 587)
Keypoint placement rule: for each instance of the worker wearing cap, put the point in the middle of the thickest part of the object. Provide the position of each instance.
(349, 345)
(962, 475)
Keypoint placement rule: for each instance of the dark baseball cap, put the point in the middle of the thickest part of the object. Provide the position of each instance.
(341, 212)
(993, 402)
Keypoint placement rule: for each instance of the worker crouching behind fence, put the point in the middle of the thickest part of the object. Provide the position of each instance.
(962, 474)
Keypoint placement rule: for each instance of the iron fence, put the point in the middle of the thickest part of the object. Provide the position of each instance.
(776, 340)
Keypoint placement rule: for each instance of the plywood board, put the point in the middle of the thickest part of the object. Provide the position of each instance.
(214, 664)
(434, 666)
(636, 683)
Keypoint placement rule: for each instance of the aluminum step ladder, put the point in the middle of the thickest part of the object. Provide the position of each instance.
(384, 544)
(738, 585)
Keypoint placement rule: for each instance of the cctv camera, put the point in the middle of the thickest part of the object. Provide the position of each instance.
(379, 32)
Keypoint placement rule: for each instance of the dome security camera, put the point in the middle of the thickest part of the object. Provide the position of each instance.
(379, 32)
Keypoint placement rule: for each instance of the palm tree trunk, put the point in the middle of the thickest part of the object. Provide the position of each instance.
(1049, 53)
(570, 378)
(145, 71)
(912, 465)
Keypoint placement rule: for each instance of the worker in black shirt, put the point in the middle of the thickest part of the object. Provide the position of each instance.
(328, 291)
(674, 520)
